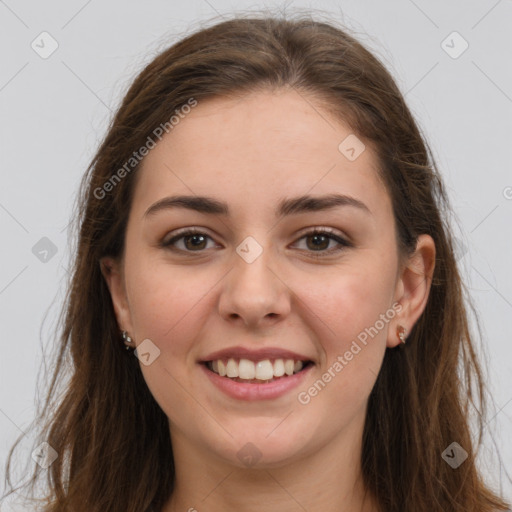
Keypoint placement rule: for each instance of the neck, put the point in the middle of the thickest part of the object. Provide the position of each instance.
(328, 480)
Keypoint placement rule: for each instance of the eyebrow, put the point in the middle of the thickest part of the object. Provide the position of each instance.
(294, 205)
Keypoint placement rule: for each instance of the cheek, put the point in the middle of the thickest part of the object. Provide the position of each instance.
(164, 303)
(353, 316)
(350, 301)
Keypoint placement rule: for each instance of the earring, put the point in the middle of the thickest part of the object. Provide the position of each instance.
(126, 339)
(401, 333)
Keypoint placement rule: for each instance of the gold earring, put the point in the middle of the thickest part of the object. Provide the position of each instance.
(401, 333)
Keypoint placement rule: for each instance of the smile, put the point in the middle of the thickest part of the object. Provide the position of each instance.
(265, 379)
(257, 372)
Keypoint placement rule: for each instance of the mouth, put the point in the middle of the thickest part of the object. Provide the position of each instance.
(263, 371)
(264, 374)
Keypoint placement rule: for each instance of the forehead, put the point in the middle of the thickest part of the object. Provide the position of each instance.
(257, 149)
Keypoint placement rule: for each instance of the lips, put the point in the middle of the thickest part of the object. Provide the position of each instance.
(256, 389)
(255, 355)
(255, 374)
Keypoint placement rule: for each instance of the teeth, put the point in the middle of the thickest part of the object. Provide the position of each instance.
(264, 370)
(278, 368)
(232, 368)
(246, 369)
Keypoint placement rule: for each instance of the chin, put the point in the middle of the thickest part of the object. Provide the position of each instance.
(263, 443)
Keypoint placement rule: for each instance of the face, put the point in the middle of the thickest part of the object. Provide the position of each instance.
(255, 284)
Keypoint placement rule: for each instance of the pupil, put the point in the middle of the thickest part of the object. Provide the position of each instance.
(197, 240)
(316, 237)
(196, 237)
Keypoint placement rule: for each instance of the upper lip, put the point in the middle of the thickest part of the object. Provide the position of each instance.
(254, 355)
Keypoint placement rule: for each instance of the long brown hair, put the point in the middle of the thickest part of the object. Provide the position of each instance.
(112, 439)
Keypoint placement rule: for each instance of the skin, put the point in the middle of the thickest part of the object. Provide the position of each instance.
(251, 152)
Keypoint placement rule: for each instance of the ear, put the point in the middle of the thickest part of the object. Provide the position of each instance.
(113, 273)
(413, 287)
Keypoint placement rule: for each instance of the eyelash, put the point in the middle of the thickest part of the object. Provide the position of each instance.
(331, 235)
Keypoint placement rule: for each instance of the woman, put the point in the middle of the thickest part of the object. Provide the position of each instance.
(265, 225)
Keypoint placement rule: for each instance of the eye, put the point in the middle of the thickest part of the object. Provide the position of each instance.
(320, 240)
(193, 239)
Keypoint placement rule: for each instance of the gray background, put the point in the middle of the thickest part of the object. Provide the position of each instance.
(55, 110)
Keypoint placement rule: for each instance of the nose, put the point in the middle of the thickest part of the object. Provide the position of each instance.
(254, 294)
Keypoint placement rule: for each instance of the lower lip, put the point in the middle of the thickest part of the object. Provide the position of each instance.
(250, 392)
